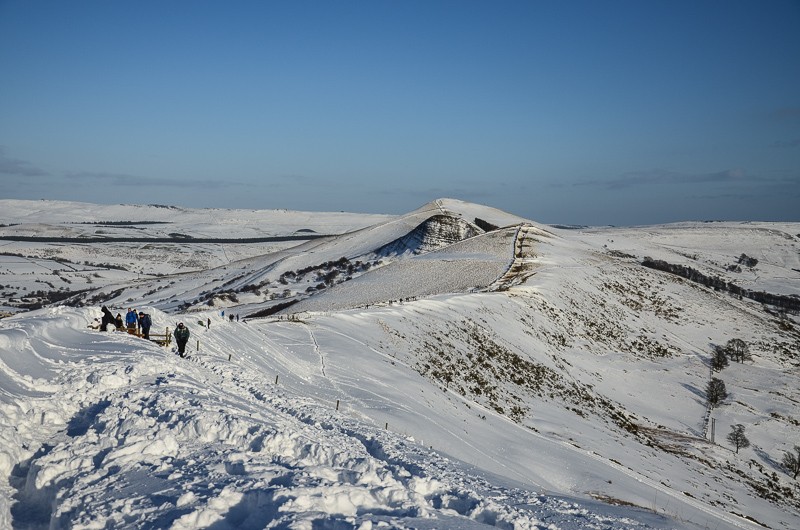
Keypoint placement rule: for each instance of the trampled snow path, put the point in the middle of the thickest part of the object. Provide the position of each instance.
(107, 430)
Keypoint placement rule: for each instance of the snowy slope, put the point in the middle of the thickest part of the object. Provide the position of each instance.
(121, 433)
(530, 376)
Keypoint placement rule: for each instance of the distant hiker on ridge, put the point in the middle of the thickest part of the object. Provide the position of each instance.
(181, 338)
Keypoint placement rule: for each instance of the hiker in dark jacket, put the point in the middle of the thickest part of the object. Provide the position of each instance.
(108, 318)
(118, 322)
(181, 338)
(144, 324)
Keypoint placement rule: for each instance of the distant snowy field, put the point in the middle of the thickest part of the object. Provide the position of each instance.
(527, 377)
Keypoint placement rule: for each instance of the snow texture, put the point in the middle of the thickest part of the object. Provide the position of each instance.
(524, 377)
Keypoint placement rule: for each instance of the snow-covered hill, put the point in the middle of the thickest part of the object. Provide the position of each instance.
(455, 367)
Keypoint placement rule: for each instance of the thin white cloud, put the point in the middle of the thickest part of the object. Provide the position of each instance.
(123, 179)
(15, 166)
(786, 114)
(661, 176)
(790, 144)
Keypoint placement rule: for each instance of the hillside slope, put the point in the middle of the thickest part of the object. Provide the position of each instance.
(550, 360)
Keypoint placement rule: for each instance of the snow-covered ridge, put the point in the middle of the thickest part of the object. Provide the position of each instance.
(502, 378)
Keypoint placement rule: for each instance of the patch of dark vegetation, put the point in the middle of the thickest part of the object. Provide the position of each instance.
(613, 501)
(106, 266)
(178, 235)
(327, 273)
(99, 298)
(307, 280)
(620, 254)
(486, 226)
(747, 261)
(640, 294)
(787, 419)
(40, 299)
(784, 302)
(765, 484)
(225, 296)
(272, 309)
(480, 368)
(436, 232)
(66, 261)
(750, 518)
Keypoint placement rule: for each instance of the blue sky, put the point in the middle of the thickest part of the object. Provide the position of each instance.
(615, 112)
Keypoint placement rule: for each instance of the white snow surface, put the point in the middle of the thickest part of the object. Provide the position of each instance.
(531, 378)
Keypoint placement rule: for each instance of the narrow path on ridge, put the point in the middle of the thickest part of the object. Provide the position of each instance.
(316, 349)
(519, 262)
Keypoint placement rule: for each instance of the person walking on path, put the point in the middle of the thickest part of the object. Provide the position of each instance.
(181, 338)
(144, 323)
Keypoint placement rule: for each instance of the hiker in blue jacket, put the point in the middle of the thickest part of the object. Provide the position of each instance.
(131, 320)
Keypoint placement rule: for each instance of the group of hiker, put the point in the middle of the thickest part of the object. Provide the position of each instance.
(222, 314)
(134, 322)
(140, 323)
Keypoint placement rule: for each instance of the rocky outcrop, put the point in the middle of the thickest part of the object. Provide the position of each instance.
(436, 232)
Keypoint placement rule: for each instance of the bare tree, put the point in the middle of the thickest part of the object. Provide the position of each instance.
(719, 360)
(792, 461)
(715, 392)
(738, 350)
(737, 437)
